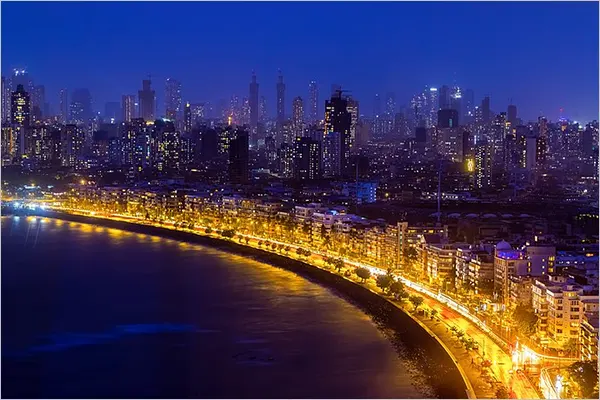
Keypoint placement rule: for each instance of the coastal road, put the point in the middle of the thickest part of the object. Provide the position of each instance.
(501, 361)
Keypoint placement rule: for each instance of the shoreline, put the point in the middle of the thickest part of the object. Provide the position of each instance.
(434, 359)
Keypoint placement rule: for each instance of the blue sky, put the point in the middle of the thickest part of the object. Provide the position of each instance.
(542, 55)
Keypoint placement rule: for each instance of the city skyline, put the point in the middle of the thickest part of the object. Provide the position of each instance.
(504, 77)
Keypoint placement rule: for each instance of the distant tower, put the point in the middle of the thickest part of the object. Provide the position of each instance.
(172, 98)
(338, 122)
(313, 99)
(6, 99)
(63, 104)
(146, 100)
(253, 100)
(298, 116)
(81, 106)
(187, 118)
(444, 98)
(511, 115)
(21, 118)
(280, 99)
(485, 110)
(128, 107)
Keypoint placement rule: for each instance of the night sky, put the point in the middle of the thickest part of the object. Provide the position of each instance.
(542, 55)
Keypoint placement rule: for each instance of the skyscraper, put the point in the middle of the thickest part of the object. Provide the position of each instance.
(128, 107)
(81, 106)
(187, 118)
(20, 107)
(6, 100)
(253, 102)
(338, 121)
(147, 101)
(444, 98)
(21, 119)
(172, 98)
(238, 157)
(376, 106)
(313, 105)
(280, 99)
(390, 105)
(511, 115)
(432, 106)
(307, 159)
(298, 116)
(483, 164)
(63, 106)
(262, 112)
(38, 99)
(469, 105)
(447, 118)
(352, 108)
(485, 110)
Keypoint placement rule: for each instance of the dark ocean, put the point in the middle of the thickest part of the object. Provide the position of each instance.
(91, 312)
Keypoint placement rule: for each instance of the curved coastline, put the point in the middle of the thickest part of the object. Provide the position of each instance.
(443, 372)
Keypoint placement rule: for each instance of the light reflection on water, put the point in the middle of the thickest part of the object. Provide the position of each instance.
(248, 324)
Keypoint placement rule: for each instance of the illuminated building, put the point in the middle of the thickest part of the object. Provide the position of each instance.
(298, 117)
(8, 145)
(307, 159)
(128, 107)
(169, 146)
(238, 157)
(81, 106)
(38, 100)
(338, 122)
(484, 153)
(432, 107)
(20, 107)
(589, 337)
(362, 192)
(280, 99)
(286, 160)
(147, 101)
(173, 100)
(352, 108)
(6, 100)
(187, 118)
(63, 106)
(390, 105)
(199, 112)
(313, 102)
(262, 112)
(456, 100)
(253, 103)
(528, 261)
(73, 139)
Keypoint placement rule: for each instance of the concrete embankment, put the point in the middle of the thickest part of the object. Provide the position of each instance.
(412, 339)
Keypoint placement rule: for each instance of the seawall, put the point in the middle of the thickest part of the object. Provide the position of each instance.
(407, 334)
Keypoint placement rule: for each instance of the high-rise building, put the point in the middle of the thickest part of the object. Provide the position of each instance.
(456, 100)
(253, 102)
(447, 118)
(298, 116)
(377, 106)
(262, 112)
(511, 115)
(469, 105)
(390, 105)
(313, 105)
(307, 159)
(432, 107)
(444, 98)
(72, 147)
(352, 108)
(128, 107)
(483, 164)
(6, 100)
(338, 121)
(238, 157)
(172, 99)
(485, 110)
(38, 101)
(20, 107)
(147, 101)
(280, 99)
(63, 106)
(187, 118)
(81, 106)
